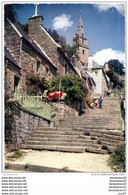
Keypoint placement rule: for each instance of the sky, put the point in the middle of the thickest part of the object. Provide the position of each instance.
(103, 24)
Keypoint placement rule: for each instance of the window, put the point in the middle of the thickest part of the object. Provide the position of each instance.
(83, 51)
(16, 82)
(46, 71)
(96, 73)
(38, 66)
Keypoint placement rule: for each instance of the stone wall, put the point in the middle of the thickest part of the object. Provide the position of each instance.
(104, 85)
(63, 111)
(23, 124)
(12, 42)
(37, 32)
(29, 63)
(26, 57)
(9, 75)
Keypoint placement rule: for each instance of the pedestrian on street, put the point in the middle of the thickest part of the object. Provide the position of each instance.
(100, 102)
(96, 103)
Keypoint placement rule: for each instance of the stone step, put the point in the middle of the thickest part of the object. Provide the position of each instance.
(96, 150)
(53, 128)
(55, 148)
(56, 136)
(74, 144)
(58, 129)
(111, 141)
(94, 117)
(92, 123)
(57, 143)
(61, 139)
(97, 119)
(100, 135)
(43, 132)
(94, 127)
(110, 144)
(103, 131)
(109, 148)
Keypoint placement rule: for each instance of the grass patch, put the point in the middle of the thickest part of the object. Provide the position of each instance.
(16, 154)
(117, 159)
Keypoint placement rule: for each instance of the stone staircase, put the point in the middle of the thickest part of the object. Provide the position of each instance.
(98, 131)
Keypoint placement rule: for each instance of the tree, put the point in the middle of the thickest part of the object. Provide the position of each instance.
(24, 27)
(116, 66)
(55, 35)
(9, 11)
(72, 85)
(114, 78)
(62, 41)
(115, 73)
(36, 85)
(50, 32)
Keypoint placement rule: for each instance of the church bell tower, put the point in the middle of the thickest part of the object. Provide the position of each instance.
(80, 44)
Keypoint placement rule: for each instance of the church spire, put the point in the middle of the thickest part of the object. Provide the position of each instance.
(80, 30)
(80, 43)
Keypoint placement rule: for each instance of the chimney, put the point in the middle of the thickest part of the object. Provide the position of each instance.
(34, 25)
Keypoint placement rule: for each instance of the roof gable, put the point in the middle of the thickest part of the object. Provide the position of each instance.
(22, 34)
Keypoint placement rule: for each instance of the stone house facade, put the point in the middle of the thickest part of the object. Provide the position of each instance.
(11, 73)
(35, 53)
(24, 57)
(27, 55)
(37, 32)
(97, 73)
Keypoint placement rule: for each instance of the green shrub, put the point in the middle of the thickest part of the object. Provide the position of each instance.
(16, 155)
(72, 85)
(36, 85)
(118, 158)
(88, 101)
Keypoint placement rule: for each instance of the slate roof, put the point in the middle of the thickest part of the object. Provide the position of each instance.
(9, 57)
(95, 65)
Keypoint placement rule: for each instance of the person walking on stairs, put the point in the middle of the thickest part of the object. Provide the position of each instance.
(100, 102)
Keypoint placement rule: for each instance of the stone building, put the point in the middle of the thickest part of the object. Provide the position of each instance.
(35, 53)
(80, 44)
(97, 79)
(12, 74)
(27, 55)
(37, 32)
(98, 74)
(80, 58)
